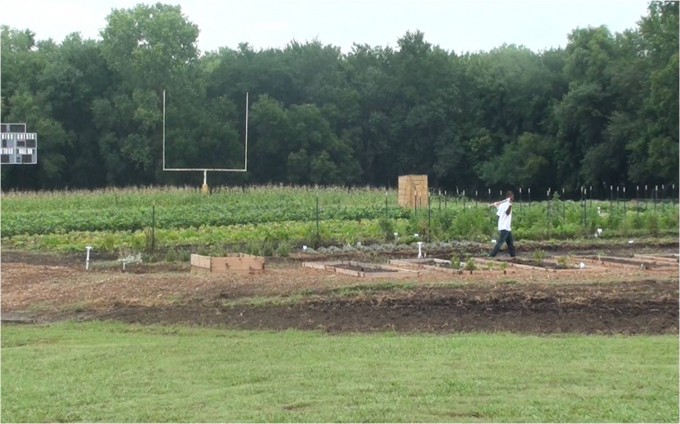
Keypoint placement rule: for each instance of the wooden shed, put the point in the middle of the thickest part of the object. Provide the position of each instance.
(413, 191)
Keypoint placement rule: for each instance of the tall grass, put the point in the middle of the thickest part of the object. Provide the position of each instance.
(124, 373)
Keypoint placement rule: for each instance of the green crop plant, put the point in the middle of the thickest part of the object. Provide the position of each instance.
(562, 261)
(455, 262)
(539, 257)
(470, 265)
(139, 218)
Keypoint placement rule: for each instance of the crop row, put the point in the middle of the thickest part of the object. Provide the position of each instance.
(112, 220)
(41, 221)
(145, 197)
(471, 224)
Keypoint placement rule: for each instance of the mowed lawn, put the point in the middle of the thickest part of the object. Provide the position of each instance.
(115, 372)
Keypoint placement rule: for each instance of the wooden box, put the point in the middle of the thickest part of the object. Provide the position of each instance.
(413, 191)
(236, 262)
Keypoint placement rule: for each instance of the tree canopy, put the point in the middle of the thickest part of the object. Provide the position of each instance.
(601, 111)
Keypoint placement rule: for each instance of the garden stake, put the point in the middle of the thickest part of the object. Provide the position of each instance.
(153, 227)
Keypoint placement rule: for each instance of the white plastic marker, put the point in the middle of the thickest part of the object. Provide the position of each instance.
(87, 258)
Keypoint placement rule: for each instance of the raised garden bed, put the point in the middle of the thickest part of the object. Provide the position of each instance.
(423, 263)
(236, 262)
(361, 269)
(637, 261)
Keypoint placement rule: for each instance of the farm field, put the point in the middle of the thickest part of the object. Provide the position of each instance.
(619, 309)
(158, 284)
(609, 299)
(276, 220)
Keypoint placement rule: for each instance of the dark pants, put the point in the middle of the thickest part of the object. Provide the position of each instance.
(505, 237)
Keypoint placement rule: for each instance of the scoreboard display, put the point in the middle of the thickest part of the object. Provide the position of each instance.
(18, 146)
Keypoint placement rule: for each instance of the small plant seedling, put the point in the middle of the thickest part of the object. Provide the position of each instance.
(470, 265)
(562, 261)
(455, 262)
(539, 257)
(504, 267)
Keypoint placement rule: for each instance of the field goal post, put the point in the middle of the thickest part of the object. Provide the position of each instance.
(204, 188)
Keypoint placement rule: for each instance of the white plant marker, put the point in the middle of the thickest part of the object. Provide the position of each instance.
(87, 258)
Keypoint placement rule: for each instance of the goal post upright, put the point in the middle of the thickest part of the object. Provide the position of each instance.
(204, 188)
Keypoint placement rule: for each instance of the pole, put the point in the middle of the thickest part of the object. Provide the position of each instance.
(520, 198)
(153, 227)
(204, 188)
(386, 214)
(656, 196)
(548, 211)
(429, 220)
(624, 203)
(87, 258)
(246, 149)
(583, 205)
(163, 129)
(673, 196)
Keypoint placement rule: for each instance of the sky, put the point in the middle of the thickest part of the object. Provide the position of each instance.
(454, 25)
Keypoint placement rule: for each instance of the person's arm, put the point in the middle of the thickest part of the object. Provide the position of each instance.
(497, 204)
(509, 209)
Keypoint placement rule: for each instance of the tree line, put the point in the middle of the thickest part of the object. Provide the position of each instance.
(601, 111)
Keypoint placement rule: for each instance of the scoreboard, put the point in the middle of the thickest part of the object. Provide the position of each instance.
(18, 146)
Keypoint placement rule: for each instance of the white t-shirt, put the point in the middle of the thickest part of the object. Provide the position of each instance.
(504, 220)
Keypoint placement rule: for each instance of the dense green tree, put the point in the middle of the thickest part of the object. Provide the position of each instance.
(601, 111)
(26, 99)
(512, 92)
(584, 113)
(653, 152)
(150, 49)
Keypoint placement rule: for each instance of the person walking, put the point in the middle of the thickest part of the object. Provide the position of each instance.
(504, 212)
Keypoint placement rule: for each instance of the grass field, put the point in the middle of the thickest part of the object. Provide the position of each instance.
(122, 373)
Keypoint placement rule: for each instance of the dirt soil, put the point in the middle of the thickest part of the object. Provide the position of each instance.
(603, 299)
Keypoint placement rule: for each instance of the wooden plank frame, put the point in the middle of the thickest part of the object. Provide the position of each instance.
(235, 262)
(339, 268)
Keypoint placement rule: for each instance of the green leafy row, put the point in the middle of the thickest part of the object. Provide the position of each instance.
(291, 216)
(136, 209)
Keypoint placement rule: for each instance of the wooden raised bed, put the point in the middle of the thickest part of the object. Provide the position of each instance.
(235, 262)
(442, 265)
(638, 261)
(361, 269)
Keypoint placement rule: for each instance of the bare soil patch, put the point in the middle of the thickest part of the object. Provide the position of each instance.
(608, 299)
